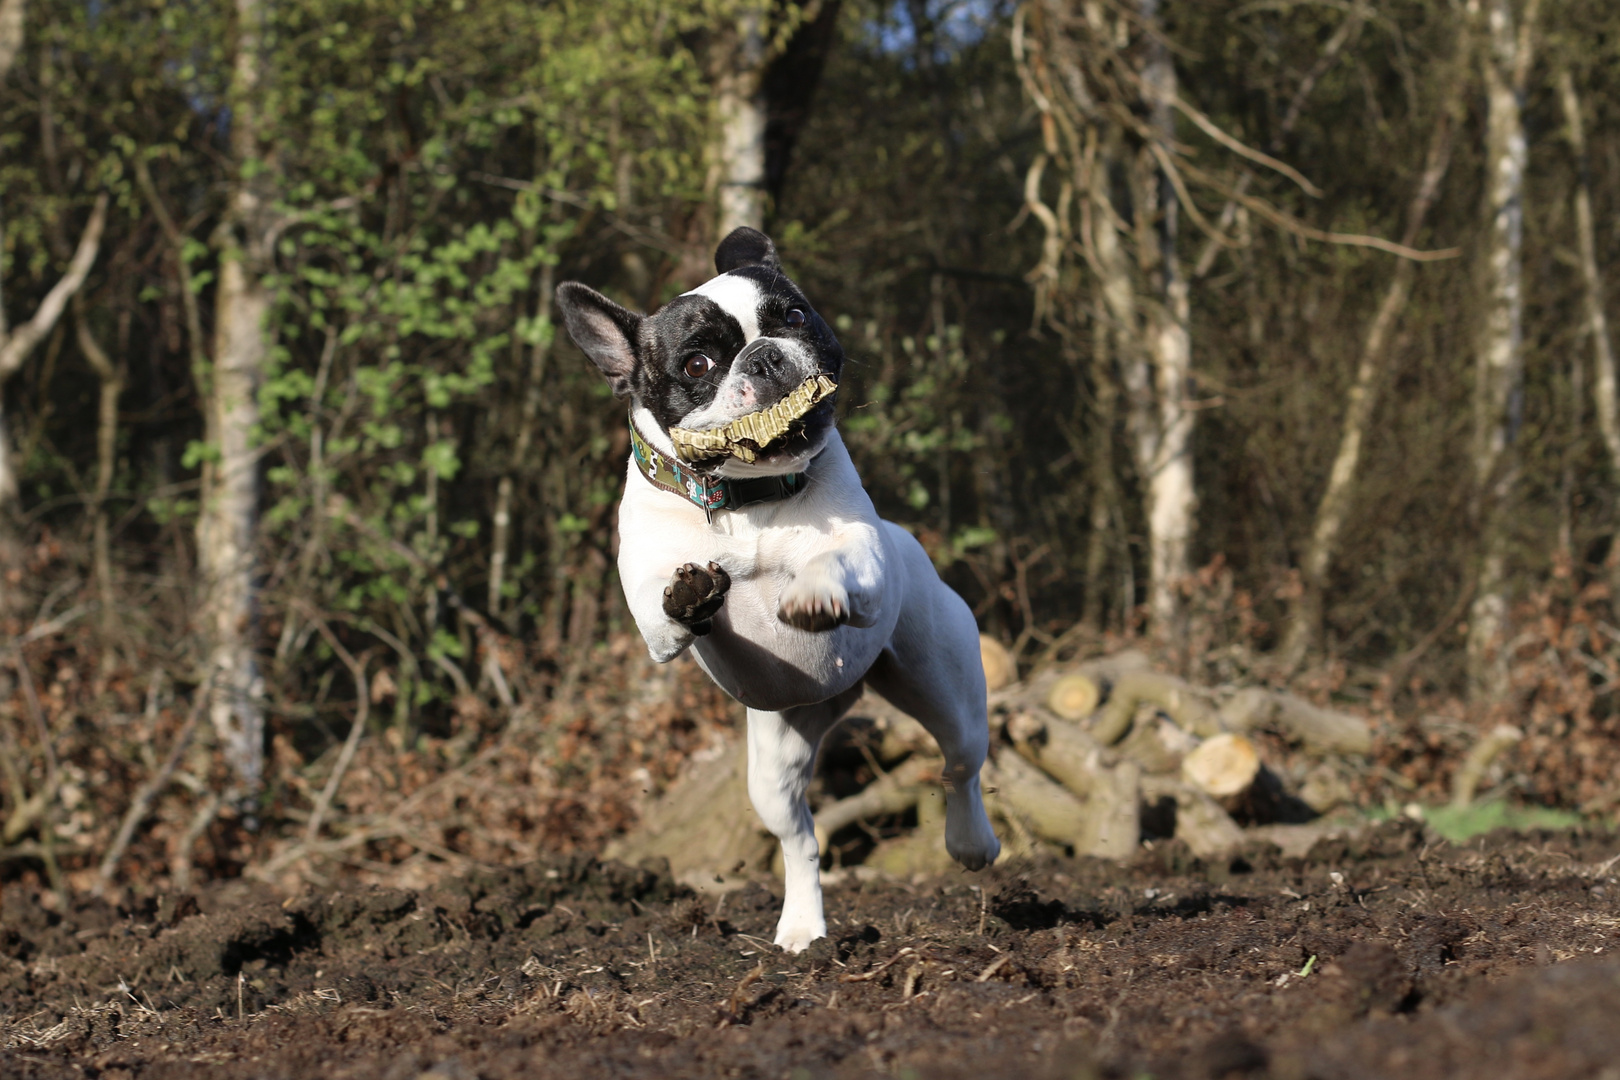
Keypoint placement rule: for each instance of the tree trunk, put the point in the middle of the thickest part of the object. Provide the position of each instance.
(1306, 619)
(1604, 390)
(738, 150)
(1100, 539)
(501, 541)
(1164, 450)
(228, 517)
(1500, 361)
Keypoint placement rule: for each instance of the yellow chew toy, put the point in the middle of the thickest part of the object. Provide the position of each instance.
(759, 428)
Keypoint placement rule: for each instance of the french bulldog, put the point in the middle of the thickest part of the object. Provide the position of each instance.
(745, 535)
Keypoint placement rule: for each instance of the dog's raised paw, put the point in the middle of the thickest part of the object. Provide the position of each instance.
(814, 602)
(694, 594)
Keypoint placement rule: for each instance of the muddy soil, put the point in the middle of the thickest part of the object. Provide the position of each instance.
(1394, 956)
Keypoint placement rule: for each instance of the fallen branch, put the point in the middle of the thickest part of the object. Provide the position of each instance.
(1189, 708)
(892, 793)
(1050, 810)
(1207, 830)
(1484, 752)
(1061, 749)
(1318, 728)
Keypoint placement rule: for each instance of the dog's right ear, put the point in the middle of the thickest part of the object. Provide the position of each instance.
(603, 330)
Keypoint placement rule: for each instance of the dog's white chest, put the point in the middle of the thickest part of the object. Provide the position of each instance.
(772, 552)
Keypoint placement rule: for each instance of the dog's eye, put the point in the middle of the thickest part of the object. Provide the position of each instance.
(698, 365)
(794, 318)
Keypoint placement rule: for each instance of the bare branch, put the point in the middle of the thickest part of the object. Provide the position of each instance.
(362, 710)
(1170, 170)
(1289, 223)
(1243, 149)
(22, 341)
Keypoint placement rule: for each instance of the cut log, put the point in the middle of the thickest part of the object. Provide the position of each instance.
(1189, 708)
(1108, 670)
(1325, 789)
(1326, 730)
(1074, 696)
(1155, 743)
(704, 824)
(1050, 810)
(1222, 766)
(892, 793)
(921, 851)
(1064, 752)
(898, 734)
(1114, 814)
(1103, 671)
(1000, 670)
(1208, 831)
(1110, 787)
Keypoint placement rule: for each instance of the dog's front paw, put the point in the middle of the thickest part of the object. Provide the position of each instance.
(795, 935)
(815, 601)
(694, 594)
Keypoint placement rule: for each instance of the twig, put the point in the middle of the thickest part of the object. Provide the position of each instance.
(1208, 127)
(868, 976)
(1289, 223)
(994, 966)
(180, 868)
(362, 711)
(42, 728)
(46, 629)
(152, 788)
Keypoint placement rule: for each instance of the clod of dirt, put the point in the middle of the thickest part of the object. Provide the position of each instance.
(1371, 977)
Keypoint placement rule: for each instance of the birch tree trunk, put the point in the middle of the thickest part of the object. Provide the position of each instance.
(228, 518)
(738, 150)
(1164, 424)
(1604, 390)
(1305, 620)
(1500, 362)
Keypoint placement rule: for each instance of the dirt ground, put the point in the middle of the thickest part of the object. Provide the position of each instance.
(1397, 955)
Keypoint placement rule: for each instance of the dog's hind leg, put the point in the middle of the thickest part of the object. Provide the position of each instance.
(932, 671)
(781, 757)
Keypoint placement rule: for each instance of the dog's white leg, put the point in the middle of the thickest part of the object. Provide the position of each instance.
(781, 756)
(932, 671)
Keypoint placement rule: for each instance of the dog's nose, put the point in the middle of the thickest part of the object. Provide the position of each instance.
(762, 358)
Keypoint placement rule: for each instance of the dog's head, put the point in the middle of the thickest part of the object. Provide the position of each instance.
(736, 376)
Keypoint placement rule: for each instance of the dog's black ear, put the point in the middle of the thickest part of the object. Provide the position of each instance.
(603, 330)
(745, 247)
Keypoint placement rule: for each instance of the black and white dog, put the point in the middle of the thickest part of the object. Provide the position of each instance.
(747, 536)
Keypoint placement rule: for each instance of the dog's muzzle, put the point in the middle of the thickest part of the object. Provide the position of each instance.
(747, 436)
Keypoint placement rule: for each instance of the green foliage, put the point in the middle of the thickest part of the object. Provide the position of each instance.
(1460, 823)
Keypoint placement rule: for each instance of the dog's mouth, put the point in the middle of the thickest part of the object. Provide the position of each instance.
(746, 437)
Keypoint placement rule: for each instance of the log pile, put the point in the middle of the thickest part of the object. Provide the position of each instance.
(1087, 759)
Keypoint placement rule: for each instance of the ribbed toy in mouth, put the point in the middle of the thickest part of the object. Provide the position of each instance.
(747, 436)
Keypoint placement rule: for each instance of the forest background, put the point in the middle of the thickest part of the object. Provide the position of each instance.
(1270, 335)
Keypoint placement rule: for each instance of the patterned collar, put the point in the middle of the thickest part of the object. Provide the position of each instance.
(709, 493)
